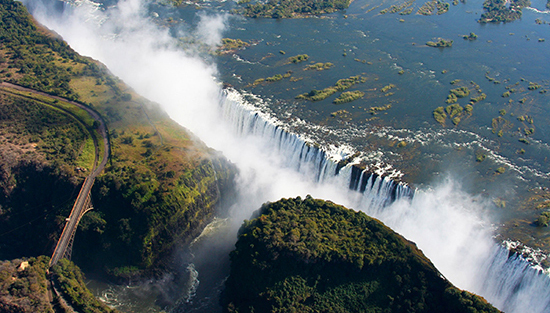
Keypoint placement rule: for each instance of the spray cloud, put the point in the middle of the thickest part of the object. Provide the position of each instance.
(447, 224)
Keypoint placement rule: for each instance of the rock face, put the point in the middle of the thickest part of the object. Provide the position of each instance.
(307, 255)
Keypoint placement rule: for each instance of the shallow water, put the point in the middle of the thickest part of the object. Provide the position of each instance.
(391, 46)
(433, 152)
(378, 47)
(506, 53)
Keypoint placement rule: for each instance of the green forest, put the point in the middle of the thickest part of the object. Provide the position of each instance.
(159, 189)
(340, 85)
(23, 286)
(70, 280)
(308, 255)
(33, 58)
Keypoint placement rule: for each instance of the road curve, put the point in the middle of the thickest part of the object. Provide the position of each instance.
(93, 114)
(80, 203)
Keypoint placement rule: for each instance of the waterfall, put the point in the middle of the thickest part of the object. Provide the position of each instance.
(442, 221)
(511, 283)
(505, 279)
(304, 156)
(296, 151)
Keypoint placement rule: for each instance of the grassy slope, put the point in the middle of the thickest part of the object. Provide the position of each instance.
(159, 189)
(40, 148)
(307, 255)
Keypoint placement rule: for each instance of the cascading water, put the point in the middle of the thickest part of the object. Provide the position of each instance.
(305, 157)
(444, 222)
(511, 283)
(505, 279)
(296, 151)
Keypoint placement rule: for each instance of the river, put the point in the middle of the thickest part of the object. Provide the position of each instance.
(287, 147)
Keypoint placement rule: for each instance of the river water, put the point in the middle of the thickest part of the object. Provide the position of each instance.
(501, 51)
(390, 49)
(504, 57)
(459, 205)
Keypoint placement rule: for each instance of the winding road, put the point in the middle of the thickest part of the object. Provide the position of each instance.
(82, 201)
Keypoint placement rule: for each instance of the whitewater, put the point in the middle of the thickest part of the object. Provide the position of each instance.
(451, 227)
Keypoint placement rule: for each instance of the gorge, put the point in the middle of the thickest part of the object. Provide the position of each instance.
(451, 226)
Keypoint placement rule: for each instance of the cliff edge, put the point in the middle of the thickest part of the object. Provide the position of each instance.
(308, 255)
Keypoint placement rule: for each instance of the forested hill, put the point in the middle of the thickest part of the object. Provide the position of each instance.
(159, 189)
(307, 255)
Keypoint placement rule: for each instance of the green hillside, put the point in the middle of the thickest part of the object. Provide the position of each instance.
(159, 189)
(307, 255)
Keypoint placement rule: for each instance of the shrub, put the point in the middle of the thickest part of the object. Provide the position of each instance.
(348, 96)
(543, 220)
(298, 58)
(439, 115)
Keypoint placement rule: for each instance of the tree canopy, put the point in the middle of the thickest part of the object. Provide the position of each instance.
(308, 255)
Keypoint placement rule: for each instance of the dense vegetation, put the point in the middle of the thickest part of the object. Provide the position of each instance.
(31, 125)
(229, 45)
(348, 96)
(456, 93)
(307, 255)
(375, 110)
(496, 11)
(271, 79)
(298, 58)
(70, 282)
(33, 58)
(292, 8)
(454, 110)
(160, 188)
(472, 36)
(41, 149)
(23, 286)
(319, 66)
(396, 8)
(439, 115)
(147, 211)
(434, 6)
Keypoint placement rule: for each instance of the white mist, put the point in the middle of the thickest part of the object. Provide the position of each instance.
(449, 225)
